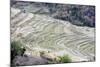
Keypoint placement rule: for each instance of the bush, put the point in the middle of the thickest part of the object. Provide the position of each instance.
(16, 49)
(65, 59)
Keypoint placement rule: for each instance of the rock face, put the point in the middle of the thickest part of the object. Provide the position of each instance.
(40, 32)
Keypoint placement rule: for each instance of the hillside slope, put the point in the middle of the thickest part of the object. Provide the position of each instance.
(81, 15)
(40, 32)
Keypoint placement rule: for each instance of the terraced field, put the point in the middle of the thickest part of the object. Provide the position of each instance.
(40, 32)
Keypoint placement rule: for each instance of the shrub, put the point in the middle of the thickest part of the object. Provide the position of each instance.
(65, 59)
(16, 49)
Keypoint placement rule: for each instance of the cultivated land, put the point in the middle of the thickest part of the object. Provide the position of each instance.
(39, 32)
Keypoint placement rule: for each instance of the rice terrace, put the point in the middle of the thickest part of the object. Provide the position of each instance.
(51, 33)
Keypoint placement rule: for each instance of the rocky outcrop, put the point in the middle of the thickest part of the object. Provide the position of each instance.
(43, 58)
(29, 60)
